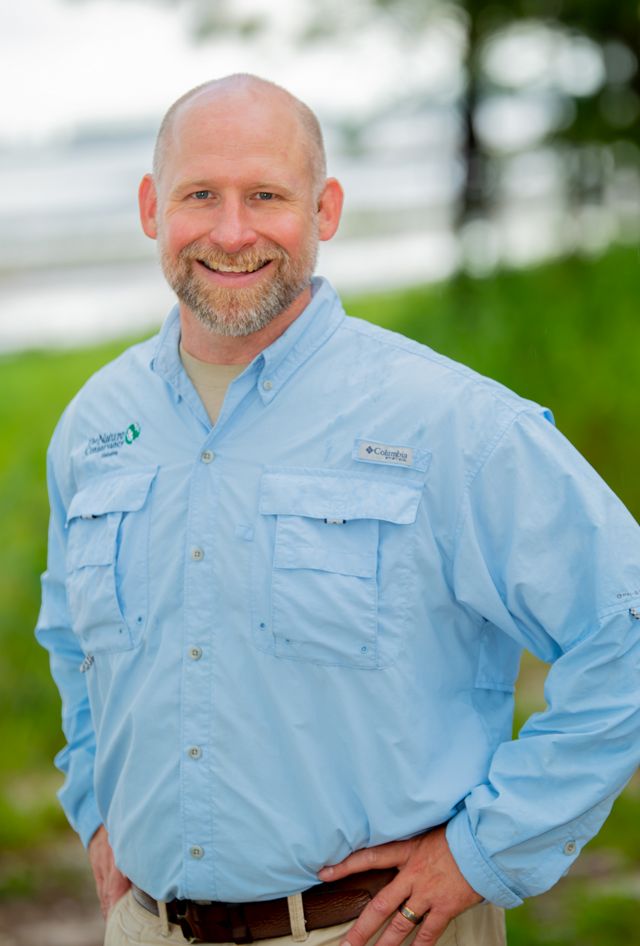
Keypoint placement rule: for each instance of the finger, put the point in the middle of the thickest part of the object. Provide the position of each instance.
(119, 887)
(431, 929)
(393, 854)
(397, 930)
(104, 905)
(427, 934)
(378, 912)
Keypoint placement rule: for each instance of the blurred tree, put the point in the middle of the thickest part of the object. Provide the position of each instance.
(596, 112)
(601, 110)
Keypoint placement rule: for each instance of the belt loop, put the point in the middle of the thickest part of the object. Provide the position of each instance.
(165, 929)
(296, 918)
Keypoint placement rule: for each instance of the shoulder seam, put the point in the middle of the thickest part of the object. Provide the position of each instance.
(495, 388)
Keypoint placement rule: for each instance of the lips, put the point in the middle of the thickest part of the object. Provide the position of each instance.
(238, 269)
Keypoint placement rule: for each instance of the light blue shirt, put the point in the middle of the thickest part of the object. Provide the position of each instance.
(296, 633)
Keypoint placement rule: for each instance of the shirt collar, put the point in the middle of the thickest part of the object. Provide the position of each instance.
(304, 336)
(273, 366)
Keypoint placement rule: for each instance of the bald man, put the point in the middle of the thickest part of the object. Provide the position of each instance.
(293, 561)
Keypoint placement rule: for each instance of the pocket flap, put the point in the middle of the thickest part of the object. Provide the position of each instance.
(124, 493)
(321, 494)
(351, 549)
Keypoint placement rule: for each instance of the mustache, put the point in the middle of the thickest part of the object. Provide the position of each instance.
(245, 258)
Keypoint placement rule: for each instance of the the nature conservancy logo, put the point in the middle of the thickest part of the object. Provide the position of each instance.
(132, 433)
(108, 445)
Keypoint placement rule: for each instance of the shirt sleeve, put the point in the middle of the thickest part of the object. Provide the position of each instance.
(54, 632)
(550, 557)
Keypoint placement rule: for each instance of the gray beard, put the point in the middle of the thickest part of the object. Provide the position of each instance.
(234, 316)
(239, 312)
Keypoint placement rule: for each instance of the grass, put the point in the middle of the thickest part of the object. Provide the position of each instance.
(566, 334)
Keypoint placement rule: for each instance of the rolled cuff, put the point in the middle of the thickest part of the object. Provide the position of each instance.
(475, 866)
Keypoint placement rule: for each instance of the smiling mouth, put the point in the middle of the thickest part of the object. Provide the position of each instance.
(238, 270)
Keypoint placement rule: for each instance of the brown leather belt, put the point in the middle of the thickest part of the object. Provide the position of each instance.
(324, 905)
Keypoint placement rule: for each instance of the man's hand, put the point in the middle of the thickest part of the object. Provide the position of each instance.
(428, 882)
(110, 883)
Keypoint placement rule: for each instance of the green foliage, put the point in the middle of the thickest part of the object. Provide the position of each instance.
(34, 814)
(581, 916)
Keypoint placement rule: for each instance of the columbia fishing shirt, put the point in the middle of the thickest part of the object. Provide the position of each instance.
(296, 633)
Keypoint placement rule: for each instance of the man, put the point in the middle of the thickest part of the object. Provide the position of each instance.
(294, 559)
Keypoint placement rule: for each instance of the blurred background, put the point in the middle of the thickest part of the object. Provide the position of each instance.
(490, 154)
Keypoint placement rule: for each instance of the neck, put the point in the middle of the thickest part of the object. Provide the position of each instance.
(202, 343)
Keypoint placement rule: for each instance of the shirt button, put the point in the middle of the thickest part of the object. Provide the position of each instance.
(195, 653)
(194, 752)
(267, 385)
(570, 847)
(197, 555)
(197, 851)
(207, 456)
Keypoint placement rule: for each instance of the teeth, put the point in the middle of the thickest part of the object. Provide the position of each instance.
(221, 268)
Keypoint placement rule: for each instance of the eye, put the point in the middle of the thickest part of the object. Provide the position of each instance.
(201, 195)
(265, 195)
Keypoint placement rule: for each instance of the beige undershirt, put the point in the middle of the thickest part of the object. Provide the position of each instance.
(210, 381)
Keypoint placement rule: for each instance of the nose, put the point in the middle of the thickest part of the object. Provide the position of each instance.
(231, 229)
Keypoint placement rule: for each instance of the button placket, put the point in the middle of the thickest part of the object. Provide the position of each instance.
(197, 650)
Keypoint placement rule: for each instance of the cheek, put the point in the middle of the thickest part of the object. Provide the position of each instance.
(292, 235)
(178, 233)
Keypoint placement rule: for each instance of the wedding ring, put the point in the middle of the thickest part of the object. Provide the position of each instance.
(410, 915)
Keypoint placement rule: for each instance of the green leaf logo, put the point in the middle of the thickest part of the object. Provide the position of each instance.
(133, 432)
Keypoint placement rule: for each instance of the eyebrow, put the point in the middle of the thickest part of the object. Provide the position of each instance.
(185, 186)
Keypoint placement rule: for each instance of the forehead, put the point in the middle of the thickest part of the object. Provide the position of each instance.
(241, 134)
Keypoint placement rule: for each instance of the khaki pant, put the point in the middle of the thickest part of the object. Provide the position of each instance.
(129, 923)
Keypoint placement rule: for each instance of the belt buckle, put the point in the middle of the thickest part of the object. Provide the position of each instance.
(183, 922)
(197, 928)
(240, 932)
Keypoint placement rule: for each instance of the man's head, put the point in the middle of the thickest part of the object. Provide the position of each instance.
(238, 202)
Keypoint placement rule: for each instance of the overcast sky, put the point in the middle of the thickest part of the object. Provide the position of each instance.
(68, 62)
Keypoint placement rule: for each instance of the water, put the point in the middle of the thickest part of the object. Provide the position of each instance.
(75, 266)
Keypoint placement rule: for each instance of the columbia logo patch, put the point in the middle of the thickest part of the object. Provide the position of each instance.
(392, 454)
(371, 451)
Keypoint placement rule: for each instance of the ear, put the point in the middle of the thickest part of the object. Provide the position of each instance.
(148, 204)
(329, 208)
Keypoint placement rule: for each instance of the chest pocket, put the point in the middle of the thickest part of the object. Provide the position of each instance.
(333, 540)
(107, 555)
